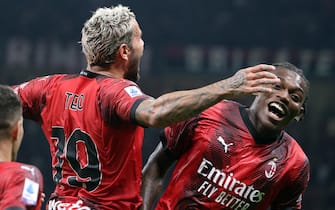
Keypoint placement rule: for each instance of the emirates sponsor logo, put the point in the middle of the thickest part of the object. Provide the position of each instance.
(225, 189)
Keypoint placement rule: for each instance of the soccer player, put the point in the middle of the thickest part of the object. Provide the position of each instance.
(94, 121)
(21, 185)
(234, 157)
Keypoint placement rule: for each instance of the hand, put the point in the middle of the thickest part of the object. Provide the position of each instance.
(252, 80)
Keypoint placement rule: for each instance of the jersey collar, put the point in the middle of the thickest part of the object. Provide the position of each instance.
(89, 74)
(259, 139)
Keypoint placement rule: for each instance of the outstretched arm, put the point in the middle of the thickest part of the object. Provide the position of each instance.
(154, 173)
(181, 105)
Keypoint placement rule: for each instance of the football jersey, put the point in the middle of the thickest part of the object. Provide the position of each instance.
(95, 143)
(21, 186)
(221, 167)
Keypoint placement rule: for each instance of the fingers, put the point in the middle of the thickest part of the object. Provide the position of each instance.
(261, 67)
(254, 80)
(264, 81)
(261, 74)
(260, 89)
(260, 71)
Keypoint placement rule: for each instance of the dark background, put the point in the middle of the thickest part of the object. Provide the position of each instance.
(188, 44)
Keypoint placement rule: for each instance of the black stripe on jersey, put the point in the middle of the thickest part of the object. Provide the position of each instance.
(133, 111)
(257, 137)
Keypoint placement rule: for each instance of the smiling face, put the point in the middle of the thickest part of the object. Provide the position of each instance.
(275, 110)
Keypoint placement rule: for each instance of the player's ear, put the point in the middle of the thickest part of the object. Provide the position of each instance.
(124, 51)
(17, 130)
(301, 114)
(14, 132)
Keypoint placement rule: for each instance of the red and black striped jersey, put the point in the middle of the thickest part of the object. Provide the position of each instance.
(95, 142)
(21, 186)
(220, 165)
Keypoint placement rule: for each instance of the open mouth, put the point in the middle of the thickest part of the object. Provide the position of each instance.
(277, 109)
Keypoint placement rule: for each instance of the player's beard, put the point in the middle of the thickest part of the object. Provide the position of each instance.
(14, 154)
(133, 70)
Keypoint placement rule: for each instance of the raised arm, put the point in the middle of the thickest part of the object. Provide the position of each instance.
(154, 173)
(181, 105)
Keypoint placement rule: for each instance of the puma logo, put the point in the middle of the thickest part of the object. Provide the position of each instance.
(221, 140)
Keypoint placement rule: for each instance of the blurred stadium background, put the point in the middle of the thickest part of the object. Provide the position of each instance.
(188, 43)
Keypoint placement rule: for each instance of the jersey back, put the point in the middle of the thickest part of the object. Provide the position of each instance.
(94, 140)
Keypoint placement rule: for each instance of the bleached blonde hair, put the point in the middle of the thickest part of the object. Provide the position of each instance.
(104, 32)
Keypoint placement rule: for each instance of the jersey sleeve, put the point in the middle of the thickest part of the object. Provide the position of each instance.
(120, 100)
(24, 188)
(178, 137)
(291, 195)
(32, 95)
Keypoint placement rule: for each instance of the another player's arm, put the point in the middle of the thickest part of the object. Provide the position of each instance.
(154, 173)
(181, 105)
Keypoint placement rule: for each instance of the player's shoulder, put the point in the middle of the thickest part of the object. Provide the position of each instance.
(30, 168)
(229, 104)
(6, 167)
(15, 172)
(111, 86)
(224, 107)
(51, 77)
(43, 82)
(295, 148)
(17, 167)
(121, 82)
(297, 162)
